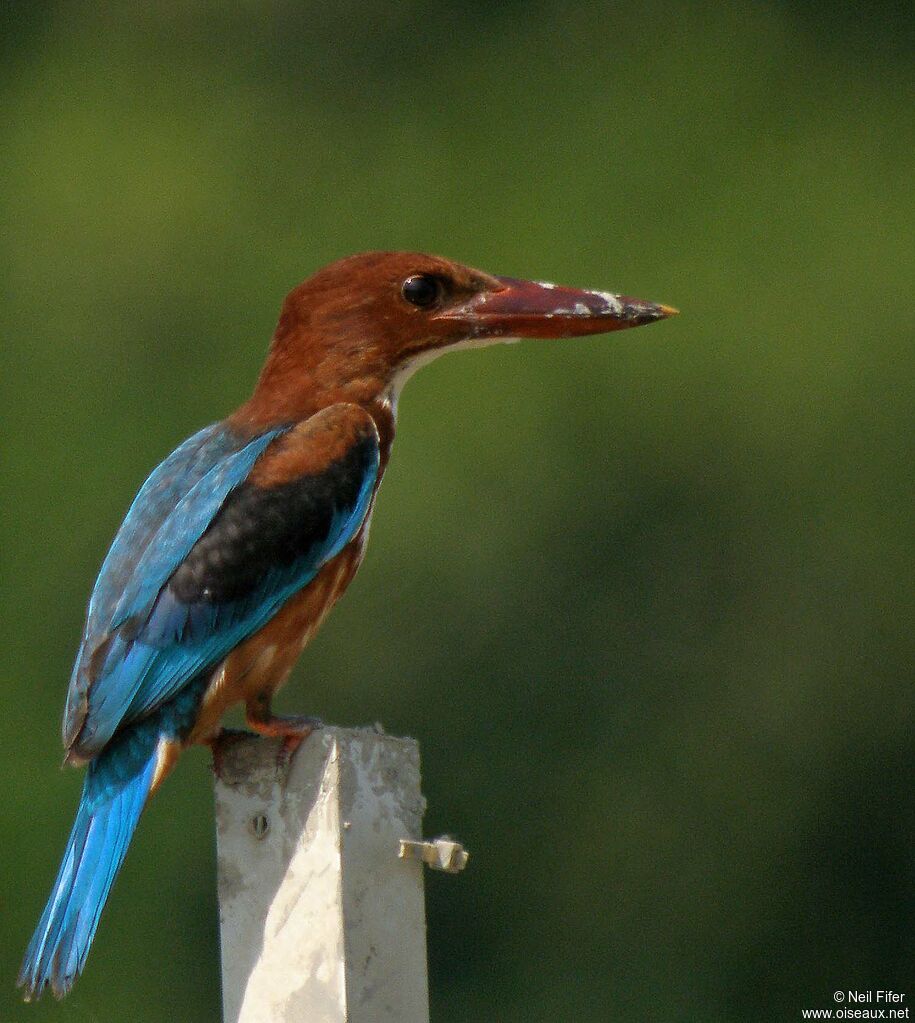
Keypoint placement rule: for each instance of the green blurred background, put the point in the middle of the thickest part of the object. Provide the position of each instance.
(645, 599)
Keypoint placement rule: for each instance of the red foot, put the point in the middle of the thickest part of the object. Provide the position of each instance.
(292, 730)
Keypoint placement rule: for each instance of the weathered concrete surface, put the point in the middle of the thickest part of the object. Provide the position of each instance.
(321, 922)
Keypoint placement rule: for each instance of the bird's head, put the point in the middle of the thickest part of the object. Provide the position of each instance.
(362, 325)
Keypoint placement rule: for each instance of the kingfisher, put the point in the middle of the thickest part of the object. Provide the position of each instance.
(241, 541)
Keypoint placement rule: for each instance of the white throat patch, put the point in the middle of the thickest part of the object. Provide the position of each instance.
(392, 394)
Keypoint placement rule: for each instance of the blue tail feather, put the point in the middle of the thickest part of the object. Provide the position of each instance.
(114, 794)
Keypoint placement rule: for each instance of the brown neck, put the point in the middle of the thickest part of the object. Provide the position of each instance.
(298, 380)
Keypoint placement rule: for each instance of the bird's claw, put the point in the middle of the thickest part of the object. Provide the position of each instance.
(293, 731)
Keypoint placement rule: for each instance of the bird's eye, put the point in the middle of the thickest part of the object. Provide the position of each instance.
(421, 290)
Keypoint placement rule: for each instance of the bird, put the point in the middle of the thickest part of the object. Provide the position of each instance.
(241, 541)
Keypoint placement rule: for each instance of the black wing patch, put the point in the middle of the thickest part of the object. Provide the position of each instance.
(260, 530)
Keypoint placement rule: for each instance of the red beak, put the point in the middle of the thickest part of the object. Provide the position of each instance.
(535, 309)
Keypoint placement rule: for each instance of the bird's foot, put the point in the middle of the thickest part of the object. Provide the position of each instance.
(293, 730)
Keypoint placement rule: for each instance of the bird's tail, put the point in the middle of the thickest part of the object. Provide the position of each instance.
(117, 785)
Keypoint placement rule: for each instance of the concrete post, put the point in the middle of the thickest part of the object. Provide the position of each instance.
(321, 912)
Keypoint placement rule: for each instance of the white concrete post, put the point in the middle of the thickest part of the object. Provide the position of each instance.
(320, 908)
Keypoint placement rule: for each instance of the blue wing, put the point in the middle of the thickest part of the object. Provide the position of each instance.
(214, 449)
(208, 553)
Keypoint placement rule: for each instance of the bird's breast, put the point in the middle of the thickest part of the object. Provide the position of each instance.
(263, 662)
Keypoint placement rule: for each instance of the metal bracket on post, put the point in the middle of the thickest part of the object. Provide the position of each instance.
(320, 880)
(439, 853)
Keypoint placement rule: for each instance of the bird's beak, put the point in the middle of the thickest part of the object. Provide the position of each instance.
(530, 309)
